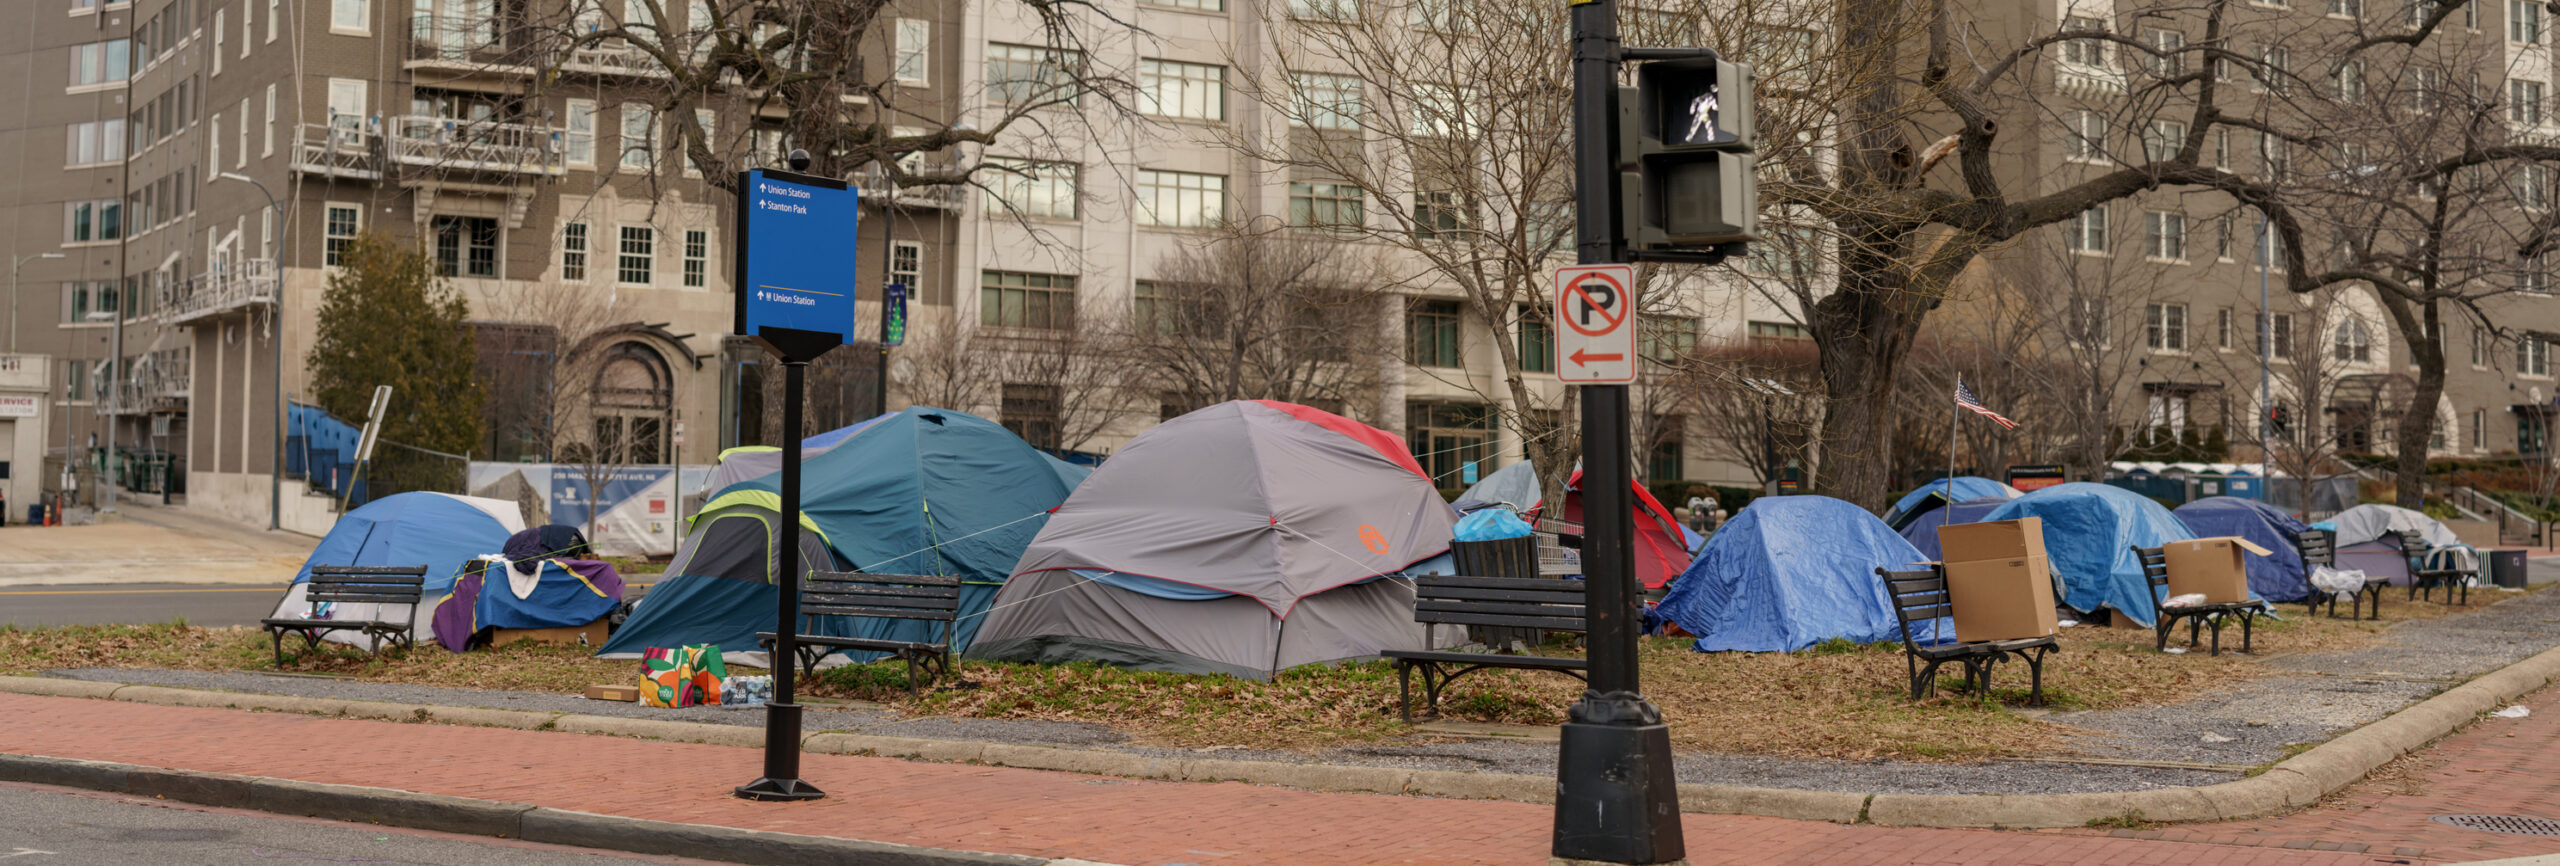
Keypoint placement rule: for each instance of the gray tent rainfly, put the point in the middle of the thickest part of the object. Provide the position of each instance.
(1245, 538)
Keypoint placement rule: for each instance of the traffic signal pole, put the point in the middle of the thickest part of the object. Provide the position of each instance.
(1616, 801)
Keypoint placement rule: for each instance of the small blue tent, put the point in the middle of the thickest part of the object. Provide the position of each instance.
(919, 491)
(438, 530)
(1962, 488)
(2276, 577)
(2090, 531)
(1787, 573)
(1922, 528)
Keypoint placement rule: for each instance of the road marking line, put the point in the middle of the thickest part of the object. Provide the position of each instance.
(142, 591)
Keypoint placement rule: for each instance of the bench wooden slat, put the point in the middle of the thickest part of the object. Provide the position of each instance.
(363, 598)
(767, 639)
(859, 577)
(865, 599)
(1480, 658)
(1539, 596)
(880, 590)
(1434, 580)
(1550, 623)
(877, 612)
(1500, 607)
(419, 571)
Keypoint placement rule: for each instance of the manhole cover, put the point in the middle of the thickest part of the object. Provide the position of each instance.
(2513, 825)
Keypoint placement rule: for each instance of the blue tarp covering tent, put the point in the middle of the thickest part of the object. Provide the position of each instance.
(1964, 487)
(1787, 573)
(2090, 531)
(437, 530)
(1922, 529)
(2276, 577)
(925, 491)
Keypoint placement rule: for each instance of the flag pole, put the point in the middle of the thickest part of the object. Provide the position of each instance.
(1951, 440)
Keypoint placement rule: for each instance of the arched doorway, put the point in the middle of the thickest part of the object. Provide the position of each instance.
(634, 395)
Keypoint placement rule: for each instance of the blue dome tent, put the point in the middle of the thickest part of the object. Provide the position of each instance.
(1787, 573)
(1961, 488)
(2090, 531)
(1921, 529)
(2276, 577)
(438, 530)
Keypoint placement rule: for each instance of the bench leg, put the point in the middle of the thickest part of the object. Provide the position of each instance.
(2195, 631)
(2035, 672)
(2217, 633)
(2248, 630)
(2160, 631)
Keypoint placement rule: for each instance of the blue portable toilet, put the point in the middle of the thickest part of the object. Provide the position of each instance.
(2242, 484)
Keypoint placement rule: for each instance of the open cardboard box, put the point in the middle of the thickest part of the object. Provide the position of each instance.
(1998, 579)
(2217, 568)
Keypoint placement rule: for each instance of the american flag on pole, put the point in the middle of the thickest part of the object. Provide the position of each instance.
(1966, 399)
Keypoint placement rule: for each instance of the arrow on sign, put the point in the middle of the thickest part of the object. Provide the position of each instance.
(1583, 357)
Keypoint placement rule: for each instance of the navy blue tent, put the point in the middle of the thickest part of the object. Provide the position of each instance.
(2090, 531)
(1941, 491)
(1922, 530)
(2277, 577)
(1787, 573)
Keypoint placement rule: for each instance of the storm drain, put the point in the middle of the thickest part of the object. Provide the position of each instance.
(2513, 825)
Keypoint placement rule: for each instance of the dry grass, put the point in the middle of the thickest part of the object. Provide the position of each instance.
(1837, 701)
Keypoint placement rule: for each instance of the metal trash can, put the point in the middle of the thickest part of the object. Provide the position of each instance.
(1506, 557)
(2506, 568)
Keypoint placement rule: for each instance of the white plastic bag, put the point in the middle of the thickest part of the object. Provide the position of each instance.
(2188, 600)
(2336, 582)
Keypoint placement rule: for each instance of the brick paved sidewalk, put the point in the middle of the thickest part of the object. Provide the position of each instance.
(1139, 823)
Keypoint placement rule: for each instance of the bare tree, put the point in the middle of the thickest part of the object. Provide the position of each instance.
(1254, 311)
(1753, 402)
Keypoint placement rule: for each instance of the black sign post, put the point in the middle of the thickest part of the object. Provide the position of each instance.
(796, 297)
(1616, 798)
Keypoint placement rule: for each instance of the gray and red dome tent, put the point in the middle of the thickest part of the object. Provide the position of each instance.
(1246, 538)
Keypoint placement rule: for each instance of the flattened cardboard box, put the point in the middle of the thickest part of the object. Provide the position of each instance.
(1999, 580)
(2217, 567)
(591, 634)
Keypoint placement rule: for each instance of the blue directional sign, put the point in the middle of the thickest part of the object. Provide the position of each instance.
(796, 255)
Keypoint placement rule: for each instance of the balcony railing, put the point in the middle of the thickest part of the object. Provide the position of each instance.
(224, 289)
(459, 41)
(344, 149)
(475, 145)
(874, 183)
(2189, 443)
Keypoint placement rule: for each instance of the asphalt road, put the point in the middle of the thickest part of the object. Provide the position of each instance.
(42, 826)
(213, 605)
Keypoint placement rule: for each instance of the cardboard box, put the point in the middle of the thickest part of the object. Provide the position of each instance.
(613, 693)
(590, 635)
(1999, 580)
(2216, 567)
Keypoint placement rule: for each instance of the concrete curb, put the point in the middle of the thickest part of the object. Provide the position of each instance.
(523, 821)
(2292, 784)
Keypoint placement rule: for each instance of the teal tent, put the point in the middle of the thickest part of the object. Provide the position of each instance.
(924, 491)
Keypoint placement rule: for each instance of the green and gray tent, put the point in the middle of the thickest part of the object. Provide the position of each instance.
(720, 587)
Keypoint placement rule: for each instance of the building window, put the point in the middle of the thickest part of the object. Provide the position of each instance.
(1025, 74)
(2084, 321)
(1433, 328)
(347, 15)
(2222, 329)
(1666, 339)
(2480, 429)
(1193, 91)
(2273, 61)
(2224, 231)
(2351, 342)
(2165, 327)
(639, 137)
(1778, 331)
(2532, 185)
(2524, 22)
(906, 267)
(2533, 275)
(87, 221)
(1158, 310)
(343, 222)
(1445, 437)
(2088, 136)
(2524, 102)
(2283, 332)
(1033, 189)
(1194, 5)
(2162, 140)
(1323, 101)
(639, 255)
(94, 142)
(267, 139)
(573, 252)
(697, 258)
(1012, 299)
(1180, 199)
(2347, 8)
(1537, 342)
(2086, 52)
(101, 62)
(580, 139)
(2171, 61)
(2165, 233)
(1437, 213)
(2479, 346)
(75, 302)
(2533, 355)
(275, 10)
(1444, 111)
(2088, 231)
(915, 51)
(1327, 206)
(1335, 10)
(2349, 84)
(1031, 412)
(465, 246)
(217, 41)
(1664, 461)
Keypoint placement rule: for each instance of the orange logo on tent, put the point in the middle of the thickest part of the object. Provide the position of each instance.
(1372, 539)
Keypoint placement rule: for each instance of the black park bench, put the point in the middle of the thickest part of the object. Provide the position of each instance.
(1921, 596)
(2165, 616)
(2320, 547)
(1519, 602)
(354, 584)
(2425, 579)
(922, 597)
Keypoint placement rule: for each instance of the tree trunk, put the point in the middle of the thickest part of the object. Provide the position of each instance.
(1864, 332)
(2416, 419)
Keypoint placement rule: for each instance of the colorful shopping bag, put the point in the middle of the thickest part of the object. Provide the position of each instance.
(702, 673)
(662, 677)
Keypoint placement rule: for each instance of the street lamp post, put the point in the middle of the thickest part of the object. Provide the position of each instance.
(14, 265)
(275, 475)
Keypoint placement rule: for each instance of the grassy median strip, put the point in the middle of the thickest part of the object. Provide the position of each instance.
(1835, 701)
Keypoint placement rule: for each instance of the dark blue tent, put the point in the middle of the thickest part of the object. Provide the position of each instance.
(1787, 573)
(1941, 491)
(2278, 576)
(1922, 530)
(2090, 531)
